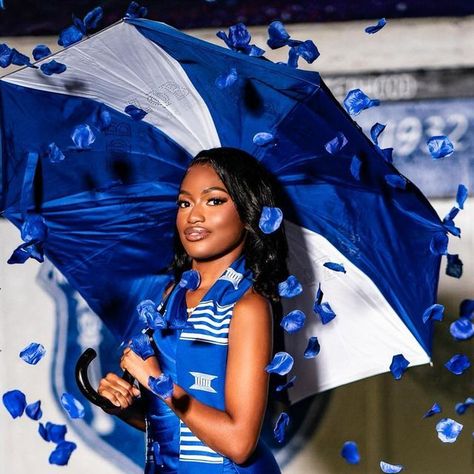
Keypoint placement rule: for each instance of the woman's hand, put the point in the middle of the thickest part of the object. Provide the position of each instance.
(138, 368)
(118, 391)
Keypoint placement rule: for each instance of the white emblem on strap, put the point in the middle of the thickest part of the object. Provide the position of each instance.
(203, 382)
(234, 277)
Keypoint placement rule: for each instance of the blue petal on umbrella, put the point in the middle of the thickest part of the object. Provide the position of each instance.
(304, 49)
(270, 219)
(33, 353)
(5, 55)
(390, 468)
(325, 312)
(356, 101)
(278, 36)
(281, 364)
(448, 430)
(280, 427)
(34, 228)
(319, 296)
(335, 145)
(73, 407)
(263, 138)
(461, 195)
(227, 79)
(350, 452)
(458, 364)
(290, 287)
(134, 10)
(20, 59)
(462, 329)
(55, 155)
(61, 454)
(387, 154)
(375, 132)
(454, 211)
(439, 243)
(70, 35)
(190, 279)
(161, 386)
(293, 321)
(92, 18)
(337, 267)
(436, 408)
(41, 51)
(149, 316)
(451, 228)
(33, 410)
(53, 67)
(79, 24)
(466, 308)
(25, 251)
(374, 28)
(454, 266)
(135, 112)
(356, 164)
(15, 402)
(396, 181)
(52, 432)
(313, 348)
(286, 385)
(140, 344)
(398, 366)
(83, 136)
(440, 146)
(435, 312)
(462, 407)
(239, 40)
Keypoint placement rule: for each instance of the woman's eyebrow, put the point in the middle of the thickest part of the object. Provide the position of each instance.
(205, 191)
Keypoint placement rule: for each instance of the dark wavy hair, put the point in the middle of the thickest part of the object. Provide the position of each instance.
(251, 187)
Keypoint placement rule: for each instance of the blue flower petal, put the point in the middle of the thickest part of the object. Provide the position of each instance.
(396, 181)
(440, 146)
(461, 195)
(451, 214)
(434, 312)
(462, 329)
(72, 34)
(140, 344)
(262, 138)
(73, 407)
(83, 136)
(149, 316)
(439, 243)
(15, 402)
(458, 364)
(390, 468)
(436, 408)
(52, 67)
(398, 366)
(34, 228)
(134, 10)
(270, 219)
(375, 132)
(304, 49)
(55, 155)
(92, 18)
(313, 348)
(335, 145)
(239, 40)
(161, 386)
(278, 36)
(374, 28)
(462, 407)
(290, 287)
(20, 59)
(387, 154)
(79, 24)
(448, 430)
(286, 385)
(350, 452)
(325, 312)
(466, 309)
(33, 410)
(293, 321)
(6, 54)
(454, 266)
(281, 364)
(41, 51)
(33, 353)
(61, 454)
(319, 296)
(135, 112)
(190, 279)
(227, 79)
(356, 164)
(356, 101)
(337, 267)
(280, 427)
(52, 432)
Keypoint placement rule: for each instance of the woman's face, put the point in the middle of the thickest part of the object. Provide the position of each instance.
(207, 221)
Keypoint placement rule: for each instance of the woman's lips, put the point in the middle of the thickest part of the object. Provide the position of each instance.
(193, 235)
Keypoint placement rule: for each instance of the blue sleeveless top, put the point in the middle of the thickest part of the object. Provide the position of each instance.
(195, 356)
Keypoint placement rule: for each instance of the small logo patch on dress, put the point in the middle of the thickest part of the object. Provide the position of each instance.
(234, 277)
(203, 382)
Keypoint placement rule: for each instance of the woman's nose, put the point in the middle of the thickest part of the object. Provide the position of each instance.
(196, 214)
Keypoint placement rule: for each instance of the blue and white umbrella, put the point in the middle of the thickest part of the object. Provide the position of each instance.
(95, 188)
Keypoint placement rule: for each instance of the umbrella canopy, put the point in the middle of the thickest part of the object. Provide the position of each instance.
(108, 200)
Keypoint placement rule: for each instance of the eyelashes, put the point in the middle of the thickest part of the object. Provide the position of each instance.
(214, 201)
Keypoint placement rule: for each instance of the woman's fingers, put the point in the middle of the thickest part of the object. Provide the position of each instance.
(117, 390)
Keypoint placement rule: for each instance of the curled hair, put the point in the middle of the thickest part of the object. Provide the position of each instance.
(251, 188)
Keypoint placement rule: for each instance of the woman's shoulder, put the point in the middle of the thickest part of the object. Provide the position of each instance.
(253, 302)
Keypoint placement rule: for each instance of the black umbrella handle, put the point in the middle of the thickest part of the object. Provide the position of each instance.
(85, 386)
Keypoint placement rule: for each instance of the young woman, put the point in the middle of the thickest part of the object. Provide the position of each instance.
(217, 336)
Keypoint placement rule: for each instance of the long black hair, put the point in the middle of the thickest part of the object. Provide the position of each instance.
(251, 187)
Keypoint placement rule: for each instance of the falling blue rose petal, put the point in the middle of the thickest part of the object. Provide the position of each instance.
(312, 349)
(390, 468)
(161, 386)
(140, 344)
(337, 267)
(92, 18)
(281, 364)
(238, 39)
(374, 28)
(263, 138)
(5, 55)
(33, 410)
(350, 452)
(20, 59)
(356, 164)
(55, 155)
(440, 146)
(302, 49)
(190, 279)
(83, 136)
(448, 430)
(280, 427)
(293, 321)
(34, 228)
(227, 79)
(278, 35)
(439, 243)
(74, 408)
(15, 402)
(70, 35)
(149, 316)
(41, 51)
(462, 329)
(335, 145)
(270, 219)
(454, 266)
(387, 154)
(435, 312)
(134, 10)
(61, 454)
(461, 195)
(286, 385)
(462, 407)
(398, 366)
(319, 296)
(135, 112)
(466, 308)
(33, 353)
(53, 67)
(356, 101)
(52, 432)
(325, 312)
(436, 408)
(290, 288)
(458, 364)
(375, 132)
(396, 181)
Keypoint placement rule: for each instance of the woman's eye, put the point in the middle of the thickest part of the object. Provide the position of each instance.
(181, 203)
(216, 201)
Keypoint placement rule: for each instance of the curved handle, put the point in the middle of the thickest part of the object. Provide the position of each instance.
(85, 386)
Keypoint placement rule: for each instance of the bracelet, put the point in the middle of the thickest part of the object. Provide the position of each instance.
(161, 386)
